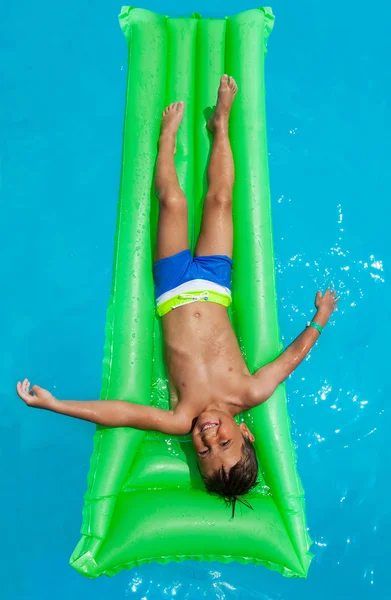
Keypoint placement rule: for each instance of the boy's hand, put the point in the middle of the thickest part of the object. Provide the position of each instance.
(327, 303)
(36, 397)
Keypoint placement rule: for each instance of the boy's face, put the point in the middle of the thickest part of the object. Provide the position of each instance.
(218, 441)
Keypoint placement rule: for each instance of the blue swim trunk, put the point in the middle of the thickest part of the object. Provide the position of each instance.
(182, 278)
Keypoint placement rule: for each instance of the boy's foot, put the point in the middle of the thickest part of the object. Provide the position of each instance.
(171, 119)
(225, 97)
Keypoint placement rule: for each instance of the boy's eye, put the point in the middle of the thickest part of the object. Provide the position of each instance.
(224, 443)
(203, 453)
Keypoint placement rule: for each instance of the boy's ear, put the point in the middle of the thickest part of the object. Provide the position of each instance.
(246, 432)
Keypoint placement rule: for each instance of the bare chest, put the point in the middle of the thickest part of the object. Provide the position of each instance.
(202, 354)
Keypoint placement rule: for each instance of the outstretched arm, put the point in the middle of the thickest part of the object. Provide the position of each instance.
(111, 413)
(267, 378)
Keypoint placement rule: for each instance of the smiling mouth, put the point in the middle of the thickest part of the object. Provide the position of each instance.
(208, 425)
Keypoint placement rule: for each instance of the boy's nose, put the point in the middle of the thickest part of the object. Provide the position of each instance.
(210, 437)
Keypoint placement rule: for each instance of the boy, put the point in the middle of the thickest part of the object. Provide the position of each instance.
(209, 380)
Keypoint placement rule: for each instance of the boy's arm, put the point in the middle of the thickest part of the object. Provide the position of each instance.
(267, 378)
(111, 413)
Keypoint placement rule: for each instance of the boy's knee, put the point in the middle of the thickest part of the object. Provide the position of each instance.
(221, 198)
(172, 199)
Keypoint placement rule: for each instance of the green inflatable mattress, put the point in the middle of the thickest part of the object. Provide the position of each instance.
(145, 500)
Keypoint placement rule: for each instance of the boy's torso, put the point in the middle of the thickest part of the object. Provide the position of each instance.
(203, 358)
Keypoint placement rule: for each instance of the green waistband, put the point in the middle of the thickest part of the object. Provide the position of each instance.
(189, 297)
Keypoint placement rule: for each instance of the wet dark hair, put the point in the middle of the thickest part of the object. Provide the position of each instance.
(239, 480)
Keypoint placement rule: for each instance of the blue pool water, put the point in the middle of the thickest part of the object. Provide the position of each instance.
(63, 80)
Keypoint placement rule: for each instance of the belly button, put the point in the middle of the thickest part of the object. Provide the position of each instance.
(197, 314)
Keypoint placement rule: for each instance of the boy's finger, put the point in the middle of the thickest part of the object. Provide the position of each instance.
(20, 391)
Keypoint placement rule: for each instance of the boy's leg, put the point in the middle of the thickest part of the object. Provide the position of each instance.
(216, 236)
(172, 233)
